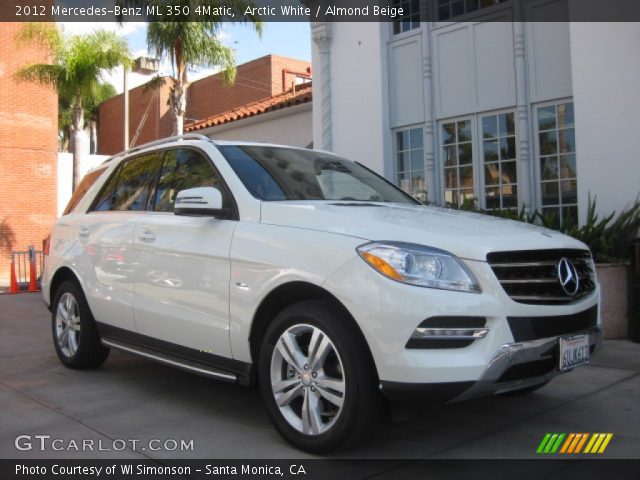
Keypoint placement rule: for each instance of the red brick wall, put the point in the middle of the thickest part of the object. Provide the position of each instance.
(28, 145)
(111, 118)
(255, 80)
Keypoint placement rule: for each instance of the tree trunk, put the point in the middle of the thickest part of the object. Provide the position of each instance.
(80, 143)
(80, 150)
(93, 145)
(179, 92)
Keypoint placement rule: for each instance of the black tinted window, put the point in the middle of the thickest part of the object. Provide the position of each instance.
(181, 170)
(128, 189)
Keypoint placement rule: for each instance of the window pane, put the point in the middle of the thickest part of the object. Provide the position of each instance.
(570, 215)
(489, 127)
(104, 201)
(492, 174)
(448, 133)
(465, 154)
(417, 161)
(133, 183)
(450, 156)
(548, 143)
(491, 151)
(509, 172)
(550, 195)
(457, 8)
(403, 165)
(509, 196)
(443, 12)
(547, 118)
(567, 143)
(569, 191)
(466, 177)
(416, 138)
(417, 183)
(451, 197)
(471, 5)
(507, 126)
(568, 166)
(451, 177)
(183, 169)
(565, 115)
(403, 140)
(404, 181)
(507, 148)
(552, 216)
(492, 198)
(464, 131)
(549, 168)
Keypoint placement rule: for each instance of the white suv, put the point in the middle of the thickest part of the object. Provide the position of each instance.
(314, 277)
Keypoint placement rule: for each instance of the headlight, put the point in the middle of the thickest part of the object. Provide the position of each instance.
(419, 265)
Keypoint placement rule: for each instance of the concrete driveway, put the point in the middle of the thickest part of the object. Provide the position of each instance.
(132, 398)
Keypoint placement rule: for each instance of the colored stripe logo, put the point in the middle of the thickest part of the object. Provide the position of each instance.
(574, 443)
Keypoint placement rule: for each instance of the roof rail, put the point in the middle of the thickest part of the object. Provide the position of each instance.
(186, 136)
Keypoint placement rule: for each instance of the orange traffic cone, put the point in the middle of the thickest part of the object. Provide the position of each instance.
(13, 286)
(33, 281)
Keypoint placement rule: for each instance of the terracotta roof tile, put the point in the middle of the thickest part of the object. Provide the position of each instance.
(290, 98)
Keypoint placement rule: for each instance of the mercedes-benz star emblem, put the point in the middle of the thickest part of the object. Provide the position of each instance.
(568, 276)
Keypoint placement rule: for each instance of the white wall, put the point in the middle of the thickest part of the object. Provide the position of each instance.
(359, 105)
(606, 89)
(65, 175)
(289, 126)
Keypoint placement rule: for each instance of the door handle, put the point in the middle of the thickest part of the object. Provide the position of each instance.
(147, 236)
(84, 232)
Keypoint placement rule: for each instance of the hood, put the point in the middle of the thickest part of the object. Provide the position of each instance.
(465, 234)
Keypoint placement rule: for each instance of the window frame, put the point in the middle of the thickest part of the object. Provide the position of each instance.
(411, 31)
(482, 200)
(396, 151)
(474, 154)
(537, 169)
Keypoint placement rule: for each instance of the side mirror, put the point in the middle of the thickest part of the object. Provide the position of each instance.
(203, 201)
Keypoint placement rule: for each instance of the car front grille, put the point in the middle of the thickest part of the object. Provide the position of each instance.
(531, 276)
(533, 328)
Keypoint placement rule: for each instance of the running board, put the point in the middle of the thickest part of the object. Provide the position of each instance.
(187, 365)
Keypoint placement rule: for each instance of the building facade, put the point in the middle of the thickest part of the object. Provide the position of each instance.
(28, 146)
(151, 116)
(474, 107)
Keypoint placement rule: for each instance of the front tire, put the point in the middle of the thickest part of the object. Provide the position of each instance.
(75, 335)
(317, 378)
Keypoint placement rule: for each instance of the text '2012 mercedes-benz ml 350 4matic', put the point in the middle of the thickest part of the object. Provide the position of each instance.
(315, 278)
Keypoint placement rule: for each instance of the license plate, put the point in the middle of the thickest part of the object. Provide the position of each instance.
(574, 351)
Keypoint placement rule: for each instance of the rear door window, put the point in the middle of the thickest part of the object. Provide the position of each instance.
(128, 189)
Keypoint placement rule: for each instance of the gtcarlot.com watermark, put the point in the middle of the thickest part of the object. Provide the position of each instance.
(47, 443)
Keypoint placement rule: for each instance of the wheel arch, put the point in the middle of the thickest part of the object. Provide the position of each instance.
(287, 294)
(62, 274)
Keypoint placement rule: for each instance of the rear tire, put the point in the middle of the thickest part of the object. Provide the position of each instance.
(75, 334)
(317, 378)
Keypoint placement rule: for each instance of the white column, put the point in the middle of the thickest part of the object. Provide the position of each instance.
(430, 146)
(523, 121)
(321, 34)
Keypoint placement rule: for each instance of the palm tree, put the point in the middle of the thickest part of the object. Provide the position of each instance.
(194, 44)
(91, 110)
(76, 69)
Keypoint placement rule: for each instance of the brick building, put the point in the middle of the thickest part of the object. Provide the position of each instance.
(256, 80)
(28, 146)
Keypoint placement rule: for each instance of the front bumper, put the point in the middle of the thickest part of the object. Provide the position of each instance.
(514, 366)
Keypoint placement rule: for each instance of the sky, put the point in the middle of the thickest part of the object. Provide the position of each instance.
(280, 38)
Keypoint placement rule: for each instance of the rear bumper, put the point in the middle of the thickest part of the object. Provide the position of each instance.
(514, 366)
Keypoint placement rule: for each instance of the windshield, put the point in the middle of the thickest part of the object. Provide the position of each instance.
(277, 173)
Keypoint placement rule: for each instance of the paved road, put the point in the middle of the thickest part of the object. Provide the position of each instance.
(132, 398)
